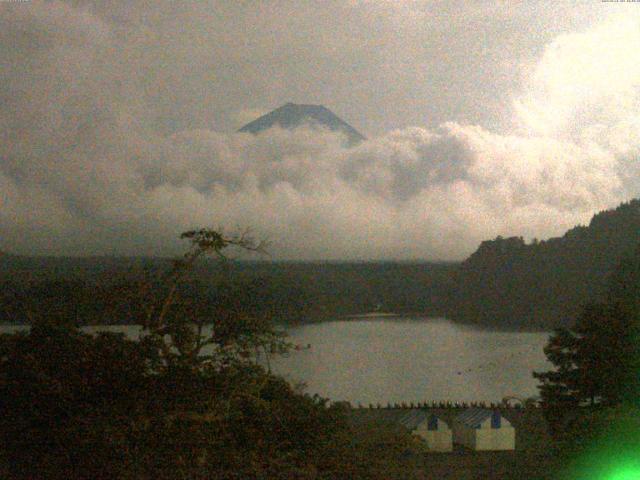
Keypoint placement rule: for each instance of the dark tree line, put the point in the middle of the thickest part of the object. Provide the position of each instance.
(93, 290)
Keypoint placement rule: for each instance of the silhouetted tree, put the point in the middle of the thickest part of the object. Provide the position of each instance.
(597, 362)
(186, 400)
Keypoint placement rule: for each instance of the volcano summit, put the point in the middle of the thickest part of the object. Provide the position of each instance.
(292, 115)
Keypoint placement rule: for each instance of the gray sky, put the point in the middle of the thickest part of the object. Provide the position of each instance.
(382, 65)
(117, 123)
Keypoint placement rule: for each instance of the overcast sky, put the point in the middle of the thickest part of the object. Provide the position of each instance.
(484, 118)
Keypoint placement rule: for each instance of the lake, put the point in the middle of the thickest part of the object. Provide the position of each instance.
(395, 359)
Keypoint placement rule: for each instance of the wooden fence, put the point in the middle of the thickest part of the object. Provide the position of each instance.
(448, 405)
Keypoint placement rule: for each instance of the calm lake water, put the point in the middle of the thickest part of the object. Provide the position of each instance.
(407, 360)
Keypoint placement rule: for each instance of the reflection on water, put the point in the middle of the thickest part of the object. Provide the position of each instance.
(405, 360)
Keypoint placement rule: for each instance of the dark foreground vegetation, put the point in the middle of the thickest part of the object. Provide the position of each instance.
(591, 399)
(506, 283)
(177, 403)
(188, 400)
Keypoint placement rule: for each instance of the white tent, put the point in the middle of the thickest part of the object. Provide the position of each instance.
(481, 429)
(431, 428)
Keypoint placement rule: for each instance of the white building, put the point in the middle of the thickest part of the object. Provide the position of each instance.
(480, 429)
(431, 428)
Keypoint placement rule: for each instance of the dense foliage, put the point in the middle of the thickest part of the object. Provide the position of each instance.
(86, 288)
(544, 283)
(79, 406)
(591, 397)
(185, 400)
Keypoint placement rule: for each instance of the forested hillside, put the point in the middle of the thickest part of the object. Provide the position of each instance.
(509, 282)
(506, 282)
(102, 290)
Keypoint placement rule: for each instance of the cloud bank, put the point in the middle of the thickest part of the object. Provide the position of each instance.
(85, 169)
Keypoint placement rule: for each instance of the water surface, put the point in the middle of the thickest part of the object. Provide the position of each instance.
(394, 359)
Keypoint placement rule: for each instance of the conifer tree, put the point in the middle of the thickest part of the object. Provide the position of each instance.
(597, 362)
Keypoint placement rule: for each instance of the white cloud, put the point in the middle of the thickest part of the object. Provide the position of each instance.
(587, 79)
(85, 170)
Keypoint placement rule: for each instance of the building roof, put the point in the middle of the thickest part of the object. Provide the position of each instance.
(473, 417)
(409, 419)
(416, 417)
(413, 418)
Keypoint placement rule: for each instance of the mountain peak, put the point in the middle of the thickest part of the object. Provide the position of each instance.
(292, 115)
